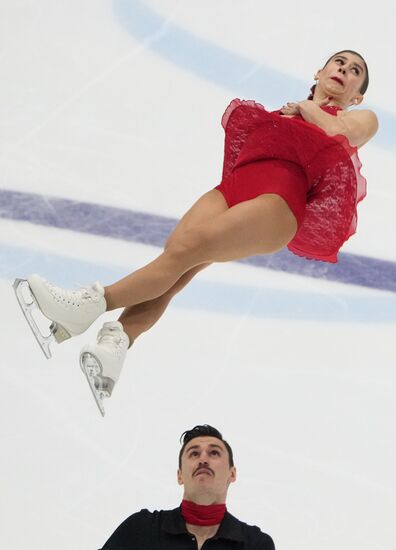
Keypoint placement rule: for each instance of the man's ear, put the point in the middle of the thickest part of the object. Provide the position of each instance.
(179, 477)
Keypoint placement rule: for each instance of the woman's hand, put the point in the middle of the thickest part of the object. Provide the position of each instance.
(295, 108)
(357, 126)
(290, 109)
(319, 102)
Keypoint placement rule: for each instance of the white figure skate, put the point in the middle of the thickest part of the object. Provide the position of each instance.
(102, 362)
(71, 311)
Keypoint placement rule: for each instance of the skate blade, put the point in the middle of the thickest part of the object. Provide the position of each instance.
(23, 293)
(93, 371)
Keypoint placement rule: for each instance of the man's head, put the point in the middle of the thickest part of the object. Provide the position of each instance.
(206, 465)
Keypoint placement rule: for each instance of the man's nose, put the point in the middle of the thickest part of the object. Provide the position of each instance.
(341, 70)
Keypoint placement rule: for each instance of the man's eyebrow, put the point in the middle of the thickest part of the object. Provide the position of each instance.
(192, 447)
(199, 446)
(215, 445)
(346, 59)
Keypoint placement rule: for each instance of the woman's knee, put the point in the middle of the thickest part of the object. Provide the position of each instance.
(189, 243)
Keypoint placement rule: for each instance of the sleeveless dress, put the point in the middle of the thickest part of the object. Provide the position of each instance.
(318, 175)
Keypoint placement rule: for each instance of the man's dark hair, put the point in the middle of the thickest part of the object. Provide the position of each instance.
(202, 431)
(363, 87)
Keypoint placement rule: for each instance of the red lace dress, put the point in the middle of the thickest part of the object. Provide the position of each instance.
(323, 172)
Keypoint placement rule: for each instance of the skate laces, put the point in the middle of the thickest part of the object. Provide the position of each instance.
(111, 333)
(77, 297)
(89, 293)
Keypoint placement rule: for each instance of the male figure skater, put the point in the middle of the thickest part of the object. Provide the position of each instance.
(206, 469)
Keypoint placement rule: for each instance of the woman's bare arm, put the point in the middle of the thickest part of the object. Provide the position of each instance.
(357, 126)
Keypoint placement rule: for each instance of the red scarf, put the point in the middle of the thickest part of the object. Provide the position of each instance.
(201, 514)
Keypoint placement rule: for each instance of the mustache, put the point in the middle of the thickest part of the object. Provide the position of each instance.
(203, 468)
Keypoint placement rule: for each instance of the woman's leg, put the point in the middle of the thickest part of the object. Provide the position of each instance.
(205, 208)
(259, 226)
(141, 317)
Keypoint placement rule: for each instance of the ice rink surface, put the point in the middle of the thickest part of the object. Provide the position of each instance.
(110, 128)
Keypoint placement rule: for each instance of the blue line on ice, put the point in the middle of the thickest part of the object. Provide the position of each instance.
(225, 298)
(224, 67)
(152, 229)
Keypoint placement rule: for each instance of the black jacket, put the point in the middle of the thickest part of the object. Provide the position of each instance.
(166, 530)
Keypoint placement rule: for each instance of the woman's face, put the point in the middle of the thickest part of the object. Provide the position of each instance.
(342, 78)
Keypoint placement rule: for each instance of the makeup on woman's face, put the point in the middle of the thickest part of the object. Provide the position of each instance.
(343, 76)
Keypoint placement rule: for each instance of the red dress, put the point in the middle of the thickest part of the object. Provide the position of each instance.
(318, 175)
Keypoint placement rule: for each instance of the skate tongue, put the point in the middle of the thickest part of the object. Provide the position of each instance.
(98, 288)
(113, 325)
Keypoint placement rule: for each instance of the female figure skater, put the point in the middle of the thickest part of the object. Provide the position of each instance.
(290, 178)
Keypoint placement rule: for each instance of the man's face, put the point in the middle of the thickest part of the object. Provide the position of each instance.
(205, 469)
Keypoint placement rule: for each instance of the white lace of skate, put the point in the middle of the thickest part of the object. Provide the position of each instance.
(77, 297)
(89, 292)
(109, 336)
(74, 297)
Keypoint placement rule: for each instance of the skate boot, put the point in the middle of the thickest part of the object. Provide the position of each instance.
(71, 311)
(102, 362)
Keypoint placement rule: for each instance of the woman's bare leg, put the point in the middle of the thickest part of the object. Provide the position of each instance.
(259, 226)
(141, 317)
(205, 208)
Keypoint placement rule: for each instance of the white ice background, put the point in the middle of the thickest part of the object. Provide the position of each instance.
(303, 385)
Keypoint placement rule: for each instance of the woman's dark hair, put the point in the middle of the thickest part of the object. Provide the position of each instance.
(202, 431)
(365, 84)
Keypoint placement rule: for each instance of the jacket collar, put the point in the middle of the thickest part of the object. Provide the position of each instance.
(230, 528)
